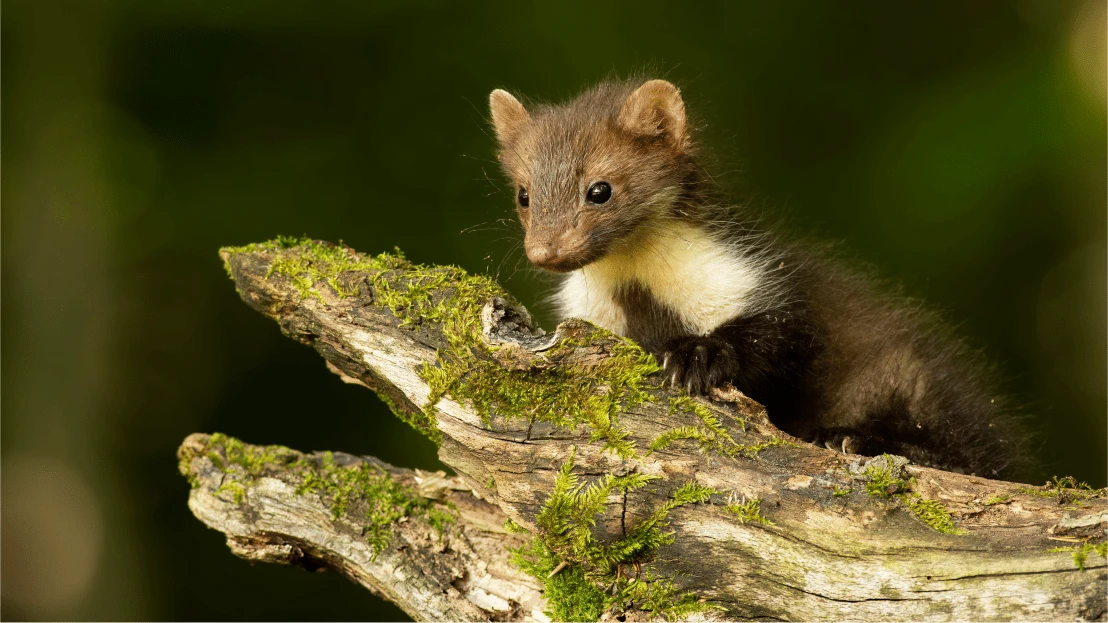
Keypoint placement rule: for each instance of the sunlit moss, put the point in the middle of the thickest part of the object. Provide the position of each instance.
(565, 543)
(567, 393)
(235, 488)
(933, 514)
(1067, 490)
(386, 501)
(749, 511)
(884, 480)
(512, 527)
(1081, 552)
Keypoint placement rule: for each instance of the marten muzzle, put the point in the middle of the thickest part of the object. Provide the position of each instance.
(558, 253)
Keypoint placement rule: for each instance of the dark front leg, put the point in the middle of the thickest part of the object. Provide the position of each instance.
(765, 355)
(699, 363)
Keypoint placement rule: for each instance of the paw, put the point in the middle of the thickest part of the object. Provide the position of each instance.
(840, 440)
(699, 363)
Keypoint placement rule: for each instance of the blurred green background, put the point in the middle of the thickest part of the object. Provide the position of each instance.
(959, 146)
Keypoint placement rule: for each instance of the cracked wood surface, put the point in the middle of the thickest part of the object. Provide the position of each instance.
(831, 552)
(460, 574)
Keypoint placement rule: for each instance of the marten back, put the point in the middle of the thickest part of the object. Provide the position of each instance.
(610, 193)
(890, 370)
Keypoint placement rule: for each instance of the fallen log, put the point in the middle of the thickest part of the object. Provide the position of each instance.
(586, 489)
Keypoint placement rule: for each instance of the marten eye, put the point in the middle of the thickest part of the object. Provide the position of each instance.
(600, 192)
(523, 198)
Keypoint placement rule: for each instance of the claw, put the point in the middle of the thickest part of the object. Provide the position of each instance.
(665, 361)
(845, 441)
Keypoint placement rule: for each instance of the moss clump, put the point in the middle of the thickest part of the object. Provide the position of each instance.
(386, 501)
(235, 459)
(573, 565)
(1067, 490)
(235, 488)
(709, 433)
(839, 493)
(933, 514)
(414, 293)
(423, 421)
(883, 478)
(749, 511)
(751, 450)
(998, 499)
(1081, 552)
(566, 394)
(315, 261)
(570, 596)
(512, 527)
(252, 459)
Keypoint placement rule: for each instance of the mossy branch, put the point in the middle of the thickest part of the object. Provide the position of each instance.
(620, 497)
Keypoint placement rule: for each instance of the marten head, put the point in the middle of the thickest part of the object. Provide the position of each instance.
(591, 172)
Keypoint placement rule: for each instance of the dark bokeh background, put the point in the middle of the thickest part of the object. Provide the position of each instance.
(959, 146)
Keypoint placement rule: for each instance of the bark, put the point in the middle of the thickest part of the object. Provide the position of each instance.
(831, 551)
(462, 574)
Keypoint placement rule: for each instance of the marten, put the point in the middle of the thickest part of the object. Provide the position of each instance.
(611, 193)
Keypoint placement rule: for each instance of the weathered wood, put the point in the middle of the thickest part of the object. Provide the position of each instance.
(460, 574)
(831, 551)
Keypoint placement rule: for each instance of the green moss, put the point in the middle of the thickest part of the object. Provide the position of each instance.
(423, 421)
(361, 484)
(315, 261)
(565, 525)
(1067, 490)
(932, 513)
(252, 459)
(184, 466)
(566, 394)
(748, 512)
(386, 501)
(998, 499)
(512, 527)
(883, 479)
(235, 488)
(837, 492)
(709, 433)
(1081, 552)
(238, 461)
(414, 293)
(662, 599)
(751, 451)
(570, 596)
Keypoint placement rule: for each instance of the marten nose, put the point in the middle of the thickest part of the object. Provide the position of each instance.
(543, 255)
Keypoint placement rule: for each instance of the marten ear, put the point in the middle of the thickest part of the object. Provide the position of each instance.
(508, 115)
(656, 109)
